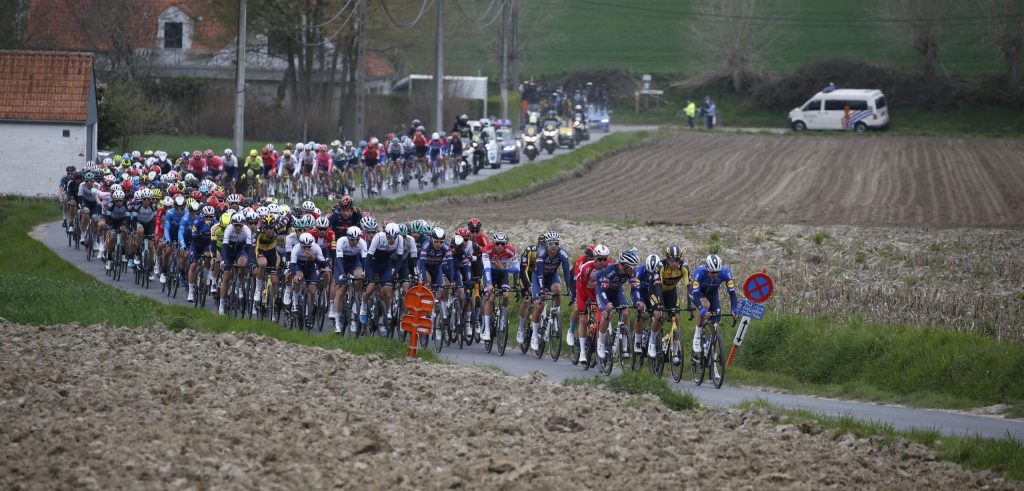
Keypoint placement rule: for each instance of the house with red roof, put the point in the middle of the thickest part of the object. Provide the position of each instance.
(48, 118)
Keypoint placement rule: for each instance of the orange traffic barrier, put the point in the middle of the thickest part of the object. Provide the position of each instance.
(419, 303)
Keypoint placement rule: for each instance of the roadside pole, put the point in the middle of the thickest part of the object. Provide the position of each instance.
(239, 128)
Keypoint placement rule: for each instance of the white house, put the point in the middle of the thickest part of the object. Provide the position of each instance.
(48, 118)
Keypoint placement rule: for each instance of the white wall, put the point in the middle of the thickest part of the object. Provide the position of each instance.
(36, 154)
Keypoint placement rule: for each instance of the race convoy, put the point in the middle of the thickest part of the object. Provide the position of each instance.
(245, 238)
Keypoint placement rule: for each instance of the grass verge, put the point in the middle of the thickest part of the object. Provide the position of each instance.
(524, 178)
(1005, 455)
(38, 287)
(175, 144)
(640, 383)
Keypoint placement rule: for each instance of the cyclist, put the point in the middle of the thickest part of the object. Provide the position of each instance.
(647, 298)
(378, 262)
(324, 237)
(371, 157)
(588, 255)
(63, 195)
(349, 262)
(171, 223)
(526, 269)
(419, 140)
(202, 242)
(286, 170)
(267, 260)
(705, 285)
(499, 260)
(306, 262)
(324, 165)
(414, 127)
(674, 272)
(436, 266)
(215, 164)
(89, 203)
(436, 161)
(253, 172)
(395, 157)
(479, 240)
(586, 282)
(115, 215)
(234, 253)
(549, 260)
(462, 259)
(143, 214)
(610, 282)
(343, 215)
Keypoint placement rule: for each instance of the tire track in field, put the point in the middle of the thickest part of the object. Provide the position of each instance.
(858, 180)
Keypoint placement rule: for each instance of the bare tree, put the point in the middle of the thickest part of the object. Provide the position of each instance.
(1006, 29)
(918, 24)
(732, 34)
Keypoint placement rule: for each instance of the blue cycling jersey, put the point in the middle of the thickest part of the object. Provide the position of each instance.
(547, 264)
(704, 286)
(437, 260)
(172, 219)
(612, 278)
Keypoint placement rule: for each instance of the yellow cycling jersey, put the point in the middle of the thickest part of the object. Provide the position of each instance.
(670, 277)
(217, 232)
(266, 243)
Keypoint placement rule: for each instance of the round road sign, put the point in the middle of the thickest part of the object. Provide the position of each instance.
(758, 288)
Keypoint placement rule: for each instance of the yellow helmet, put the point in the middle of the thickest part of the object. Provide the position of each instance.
(225, 219)
(253, 153)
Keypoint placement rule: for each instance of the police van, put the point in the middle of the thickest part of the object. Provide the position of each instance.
(842, 109)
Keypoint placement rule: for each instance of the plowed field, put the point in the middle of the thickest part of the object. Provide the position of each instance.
(874, 180)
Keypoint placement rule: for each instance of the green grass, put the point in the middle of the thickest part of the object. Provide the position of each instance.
(37, 287)
(819, 237)
(639, 383)
(524, 178)
(924, 367)
(175, 144)
(653, 37)
(1005, 455)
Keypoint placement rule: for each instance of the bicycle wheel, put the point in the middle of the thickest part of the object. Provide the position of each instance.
(657, 363)
(457, 324)
(524, 347)
(501, 333)
(542, 337)
(697, 363)
(716, 362)
(437, 335)
(610, 343)
(174, 282)
(676, 351)
(88, 242)
(116, 269)
(555, 336)
(624, 346)
(637, 362)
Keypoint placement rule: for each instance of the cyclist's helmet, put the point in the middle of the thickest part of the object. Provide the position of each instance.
(238, 218)
(306, 240)
(118, 194)
(552, 238)
(435, 136)
(542, 239)
(458, 241)
(234, 199)
(500, 238)
(392, 230)
(589, 251)
(463, 118)
(322, 223)
(274, 209)
(353, 233)
(336, 143)
(653, 263)
(69, 169)
(317, 211)
(437, 234)
(403, 229)
(713, 263)
(348, 143)
(416, 122)
(601, 250)
(179, 200)
(209, 211)
(629, 258)
(251, 216)
(463, 232)
(368, 223)
(308, 206)
(673, 252)
(262, 211)
(474, 224)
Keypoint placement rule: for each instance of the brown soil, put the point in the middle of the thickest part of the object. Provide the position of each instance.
(102, 408)
(691, 177)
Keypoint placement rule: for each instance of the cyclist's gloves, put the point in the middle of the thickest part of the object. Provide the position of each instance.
(703, 312)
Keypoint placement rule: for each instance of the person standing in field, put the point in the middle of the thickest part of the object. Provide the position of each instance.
(846, 117)
(691, 112)
(710, 111)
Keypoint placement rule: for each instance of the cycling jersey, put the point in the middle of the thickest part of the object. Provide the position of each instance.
(670, 277)
(610, 281)
(325, 239)
(236, 240)
(288, 165)
(309, 260)
(185, 230)
(172, 220)
(437, 262)
(704, 286)
(340, 224)
(647, 286)
(526, 266)
(498, 262)
(202, 238)
(266, 239)
(547, 265)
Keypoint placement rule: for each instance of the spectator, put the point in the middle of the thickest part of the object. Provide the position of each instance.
(691, 112)
(710, 112)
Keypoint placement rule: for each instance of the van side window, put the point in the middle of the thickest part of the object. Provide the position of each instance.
(880, 103)
(814, 105)
(858, 105)
(835, 105)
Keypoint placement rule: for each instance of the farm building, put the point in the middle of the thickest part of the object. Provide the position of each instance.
(48, 118)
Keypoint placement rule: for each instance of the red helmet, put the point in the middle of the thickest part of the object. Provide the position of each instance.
(474, 224)
(212, 201)
(418, 133)
(219, 195)
(266, 150)
(209, 152)
(196, 195)
(463, 232)
(590, 250)
(172, 190)
(196, 154)
(126, 185)
(346, 202)
(154, 168)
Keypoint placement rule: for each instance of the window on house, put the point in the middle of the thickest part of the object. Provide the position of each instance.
(173, 35)
(67, 133)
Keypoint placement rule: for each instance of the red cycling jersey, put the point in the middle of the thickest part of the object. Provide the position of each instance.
(325, 239)
(197, 166)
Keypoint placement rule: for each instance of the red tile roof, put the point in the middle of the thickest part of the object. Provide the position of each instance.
(87, 24)
(377, 67)
(45, 85)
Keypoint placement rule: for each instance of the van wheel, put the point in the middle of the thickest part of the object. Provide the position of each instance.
(799, 126)
(860, 127)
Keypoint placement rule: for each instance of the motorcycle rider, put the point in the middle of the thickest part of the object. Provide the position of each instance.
(461, 126)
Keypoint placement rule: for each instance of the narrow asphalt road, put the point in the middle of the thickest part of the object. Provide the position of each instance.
(514, 363)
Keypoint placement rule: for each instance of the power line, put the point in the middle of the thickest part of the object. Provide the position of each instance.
(326, 39)
(335, 16)
(405, 26)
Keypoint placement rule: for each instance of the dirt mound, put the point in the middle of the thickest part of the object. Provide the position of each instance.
(689, 177)
(98, 408)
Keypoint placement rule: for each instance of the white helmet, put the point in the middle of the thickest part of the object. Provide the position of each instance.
(336, 143)
(459, 241)
(437, 234)
(435, 136)
(713, 263)
(392, 230)
(195, 205)
(353, 232)
(308, 206)
(368, 223)
(227, 151)
(300, 147)
(306, 239)
(322, 223)
(262, 211)
(117, 194)
(250, 216)
(274, 209)
(374, 141)
(653, 263)
(179, 200)
(168, 202)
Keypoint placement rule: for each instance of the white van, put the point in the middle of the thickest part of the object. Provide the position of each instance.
(828, 111)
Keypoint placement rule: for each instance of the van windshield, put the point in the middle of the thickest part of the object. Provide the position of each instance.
(880, 103)
(814, 105)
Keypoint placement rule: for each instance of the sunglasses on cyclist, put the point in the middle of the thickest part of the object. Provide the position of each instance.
(601, 259)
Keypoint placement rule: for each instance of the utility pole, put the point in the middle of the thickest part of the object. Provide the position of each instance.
(505, 24)
(240, 82)
(361, 70)
(439, 68)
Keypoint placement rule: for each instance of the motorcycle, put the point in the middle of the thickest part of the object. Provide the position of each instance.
(550, 134)
(479, 154)
(579, 125)
(530, 143)
(463, 169)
